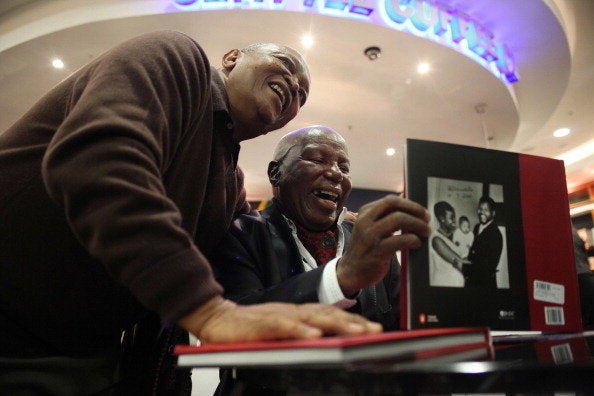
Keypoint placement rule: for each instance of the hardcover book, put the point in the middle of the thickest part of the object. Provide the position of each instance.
(423, 344)
(557, 349)
(564, 350)
(501, 251)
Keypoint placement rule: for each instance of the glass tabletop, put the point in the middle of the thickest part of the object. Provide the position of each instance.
(526, 364)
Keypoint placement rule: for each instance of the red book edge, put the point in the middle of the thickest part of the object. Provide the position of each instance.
(404, 297)
(405, 319)
(545, 213)
(452, 349)
(331, 342)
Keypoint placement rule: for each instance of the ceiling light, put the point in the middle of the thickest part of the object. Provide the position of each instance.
(423, 68)
(577, 154)
(57, 63)
(307, 41)
(561, 132)
(372, 53)
(391, 151)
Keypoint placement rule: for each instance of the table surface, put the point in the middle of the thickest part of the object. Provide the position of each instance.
(529, 364)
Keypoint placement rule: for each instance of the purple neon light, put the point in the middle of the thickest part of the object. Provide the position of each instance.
(424, 18)
(361, 10)
(335, 5)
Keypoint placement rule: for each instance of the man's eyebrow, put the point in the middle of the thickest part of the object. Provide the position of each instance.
(293, 59)
(298, 65)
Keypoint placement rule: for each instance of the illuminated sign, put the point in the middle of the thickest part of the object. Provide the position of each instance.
(428, 19)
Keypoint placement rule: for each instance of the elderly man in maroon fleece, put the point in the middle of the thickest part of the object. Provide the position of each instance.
(113, 189)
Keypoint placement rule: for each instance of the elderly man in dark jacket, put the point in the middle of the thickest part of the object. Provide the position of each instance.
(301, 248)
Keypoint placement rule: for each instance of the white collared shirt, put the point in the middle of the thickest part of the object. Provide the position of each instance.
(483, 226)
(329, 291)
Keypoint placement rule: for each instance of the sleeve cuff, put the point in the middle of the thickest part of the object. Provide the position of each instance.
(329, 291)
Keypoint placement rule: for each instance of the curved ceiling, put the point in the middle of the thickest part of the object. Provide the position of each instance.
(374, 104)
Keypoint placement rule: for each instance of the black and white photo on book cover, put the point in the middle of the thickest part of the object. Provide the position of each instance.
(461, 210)
(471, 270)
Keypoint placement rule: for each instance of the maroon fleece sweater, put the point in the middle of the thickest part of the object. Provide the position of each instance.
(113, 188)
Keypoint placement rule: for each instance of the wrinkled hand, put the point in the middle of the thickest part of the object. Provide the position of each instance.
(221, 320)
(351, 216)
(384, 226)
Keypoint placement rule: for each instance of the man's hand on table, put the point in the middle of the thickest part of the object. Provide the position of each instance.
(221, 320)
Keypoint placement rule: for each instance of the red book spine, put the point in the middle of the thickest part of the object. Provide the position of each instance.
(545, 213)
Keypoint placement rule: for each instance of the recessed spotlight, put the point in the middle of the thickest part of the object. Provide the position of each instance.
(423, 68)
(307, 41)
(390, 151)
(561, 132)
(57, 63)
(372, 53)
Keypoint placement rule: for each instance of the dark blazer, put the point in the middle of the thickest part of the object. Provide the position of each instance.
(258, 261)
(485, 253)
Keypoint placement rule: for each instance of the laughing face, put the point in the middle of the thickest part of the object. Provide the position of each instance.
(266, 85)
(311, 181)
(485, 213)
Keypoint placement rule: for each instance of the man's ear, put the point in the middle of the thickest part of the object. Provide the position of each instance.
(230, 59)
(274, 173)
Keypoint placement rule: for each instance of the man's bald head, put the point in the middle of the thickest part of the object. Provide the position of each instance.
(304, 136)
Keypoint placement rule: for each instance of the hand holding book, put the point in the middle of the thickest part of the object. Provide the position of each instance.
(383, 227)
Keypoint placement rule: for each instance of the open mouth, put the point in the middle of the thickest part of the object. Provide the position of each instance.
(326, 195)
(278, 89)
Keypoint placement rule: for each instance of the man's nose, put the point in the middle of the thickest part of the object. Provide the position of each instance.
(334, 172)
(293, 82)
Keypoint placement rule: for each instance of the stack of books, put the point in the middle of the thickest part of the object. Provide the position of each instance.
(394, 346)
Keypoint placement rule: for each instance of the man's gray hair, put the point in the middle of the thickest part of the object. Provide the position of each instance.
(296, 139)
(258, 47)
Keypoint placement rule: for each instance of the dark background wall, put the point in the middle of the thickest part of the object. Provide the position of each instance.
(361, 196)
